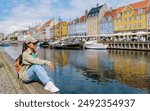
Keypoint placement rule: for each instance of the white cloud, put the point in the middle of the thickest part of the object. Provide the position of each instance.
(24, 15)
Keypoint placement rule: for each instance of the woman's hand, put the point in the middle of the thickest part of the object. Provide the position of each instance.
(52, 66)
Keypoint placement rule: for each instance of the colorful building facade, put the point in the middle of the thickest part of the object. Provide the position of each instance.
(93, 19)
(72, 28)
(61, 30)
(148, 17)
(78, 27)
(1, 36)
(132, 17)
(46, 29)
(107, 22)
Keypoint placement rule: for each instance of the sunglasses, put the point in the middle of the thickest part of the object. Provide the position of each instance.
(34, 43)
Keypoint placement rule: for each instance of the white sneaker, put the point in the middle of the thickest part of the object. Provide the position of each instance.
(50, 86)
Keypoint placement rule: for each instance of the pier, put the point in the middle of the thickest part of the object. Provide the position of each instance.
(143, 46)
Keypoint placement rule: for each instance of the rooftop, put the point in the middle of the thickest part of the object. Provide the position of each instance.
(94, 11)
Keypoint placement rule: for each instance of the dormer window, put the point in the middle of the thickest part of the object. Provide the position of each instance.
(129, 12)
(109, 18)
(148, 14)
(140, 10)
(103, 19)
(118, 15)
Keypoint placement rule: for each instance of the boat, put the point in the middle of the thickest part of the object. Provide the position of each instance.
(44, 45)
(4, 44)
(68, 45)
(14, 42)
(94, 45)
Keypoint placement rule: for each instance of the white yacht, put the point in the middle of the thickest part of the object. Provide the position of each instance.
(94, 45)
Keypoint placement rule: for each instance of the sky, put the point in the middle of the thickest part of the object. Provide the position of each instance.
(20, 14)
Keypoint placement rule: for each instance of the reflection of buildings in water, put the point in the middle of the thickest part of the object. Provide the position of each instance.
(94, 64)
(62, 57)
(92, 59)
(55, 56)
(130, 67)
(99, 61)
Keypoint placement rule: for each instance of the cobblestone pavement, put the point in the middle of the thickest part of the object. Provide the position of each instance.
(8, 83)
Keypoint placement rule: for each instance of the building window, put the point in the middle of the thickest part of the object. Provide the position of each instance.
(121, 20)
(134, 17)
(125, 26)
(134, 25)
(109, 18)
(148, 14)
(125, 19)
(118, 15)
(139, 17)
(148, 23)
(103, 19)
(129, 12)
(140, 10)
(129, 18)
(96, 14)
(130, 26)
(116, 28)
(120, 27)
(110, 24)
(139, 25)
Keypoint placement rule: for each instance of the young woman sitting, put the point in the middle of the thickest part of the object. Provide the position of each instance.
(32, 69)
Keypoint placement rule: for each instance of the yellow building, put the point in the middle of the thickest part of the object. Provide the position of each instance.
(128, 70)
(61, 30)
(132, 17)
(93, 19)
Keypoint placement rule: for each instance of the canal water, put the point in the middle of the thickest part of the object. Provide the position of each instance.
(96, 71)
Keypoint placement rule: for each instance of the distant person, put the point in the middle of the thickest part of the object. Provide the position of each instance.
(31, 66)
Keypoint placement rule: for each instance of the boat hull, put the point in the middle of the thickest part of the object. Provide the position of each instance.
(95, 46)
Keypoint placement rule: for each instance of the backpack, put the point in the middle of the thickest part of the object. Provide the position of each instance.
(18, 64)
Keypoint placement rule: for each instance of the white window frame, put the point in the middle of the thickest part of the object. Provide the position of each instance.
(140, 10)
(118, 15)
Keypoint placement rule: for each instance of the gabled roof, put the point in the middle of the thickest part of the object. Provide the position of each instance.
(142, 4)
(48, 22)
(110, 13)
(94, 11)
(82, 18)
(60, 23)
(120, 9)
(139, 5)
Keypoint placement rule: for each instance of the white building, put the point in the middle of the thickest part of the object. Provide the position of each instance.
(1, 36)
(78, 27)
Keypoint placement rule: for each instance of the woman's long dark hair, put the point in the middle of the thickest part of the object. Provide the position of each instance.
(24, 47)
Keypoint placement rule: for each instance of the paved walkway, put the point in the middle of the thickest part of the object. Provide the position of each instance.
(8, 83)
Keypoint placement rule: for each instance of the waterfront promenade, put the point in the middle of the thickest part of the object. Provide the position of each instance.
(9, 82)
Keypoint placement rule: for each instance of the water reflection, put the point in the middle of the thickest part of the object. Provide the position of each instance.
(131, 67)
(96, 71)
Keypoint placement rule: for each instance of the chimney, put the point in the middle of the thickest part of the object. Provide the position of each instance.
(111, 9)
(97, 4)
(86, 14)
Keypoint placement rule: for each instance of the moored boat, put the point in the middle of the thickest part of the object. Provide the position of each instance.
(4, 44)
(94, 45)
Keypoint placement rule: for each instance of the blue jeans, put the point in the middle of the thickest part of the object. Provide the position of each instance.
(38, 73)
